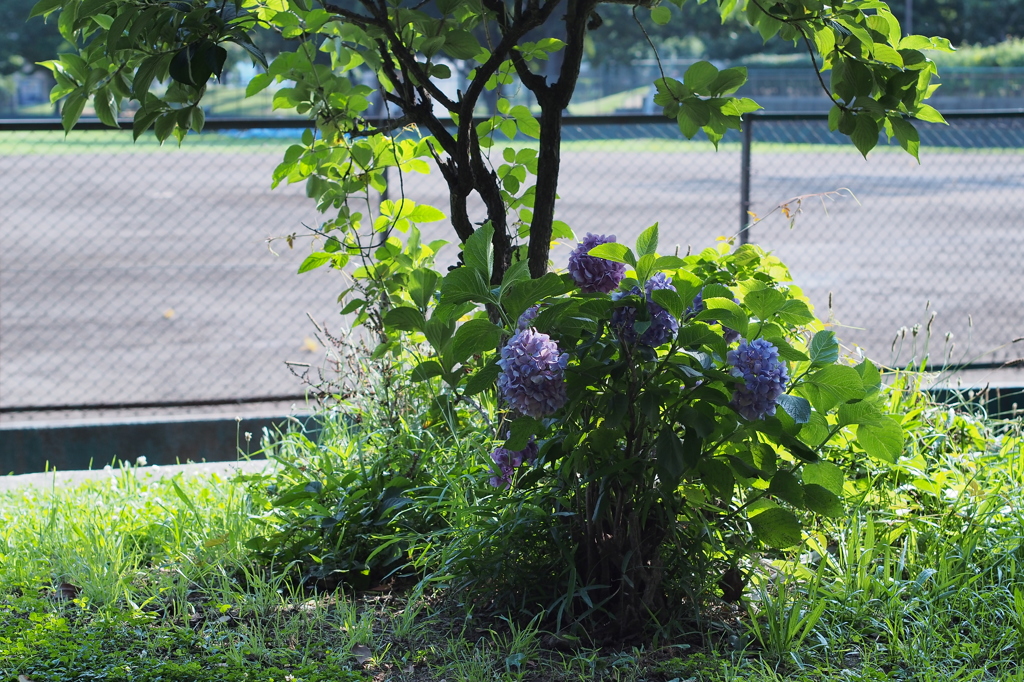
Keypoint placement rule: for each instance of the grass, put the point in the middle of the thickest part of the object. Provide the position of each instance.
(138, 578)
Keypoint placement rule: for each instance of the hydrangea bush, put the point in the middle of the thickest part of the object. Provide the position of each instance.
(646, 399)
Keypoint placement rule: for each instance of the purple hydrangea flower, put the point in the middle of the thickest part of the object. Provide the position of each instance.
(764, 378)
(507, 461)
(698, 306)
(663, 325)
(591, 273)
(532, 380)
(527, 317)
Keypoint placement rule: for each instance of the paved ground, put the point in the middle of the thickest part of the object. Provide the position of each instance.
(131, 276)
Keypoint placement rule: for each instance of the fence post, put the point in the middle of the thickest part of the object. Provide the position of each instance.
(748, 128)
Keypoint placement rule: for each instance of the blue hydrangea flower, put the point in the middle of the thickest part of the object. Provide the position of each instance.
(532, 379)
(698, 307)
(507, 461)
(591, 273)
(764, 378)
(527, 317)
(663, 325)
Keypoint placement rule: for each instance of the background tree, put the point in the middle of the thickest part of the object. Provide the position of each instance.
(25, 42)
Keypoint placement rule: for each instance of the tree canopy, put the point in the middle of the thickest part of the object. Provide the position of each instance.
(409, 51)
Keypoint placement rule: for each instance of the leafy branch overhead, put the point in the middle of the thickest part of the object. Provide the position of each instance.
(407, 55)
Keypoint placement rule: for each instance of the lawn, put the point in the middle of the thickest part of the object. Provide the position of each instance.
(135, 577)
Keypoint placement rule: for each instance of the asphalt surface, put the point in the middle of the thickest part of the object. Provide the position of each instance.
(129, 276)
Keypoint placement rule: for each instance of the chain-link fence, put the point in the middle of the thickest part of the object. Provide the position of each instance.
(137, 275)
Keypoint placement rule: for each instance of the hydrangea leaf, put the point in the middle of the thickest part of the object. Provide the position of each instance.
(796, 407)
(473, 338)
(777, 527)
(832, 385)
(820, 500)
(824, 349)
(825, 474)
(483, 379)
(884, 441)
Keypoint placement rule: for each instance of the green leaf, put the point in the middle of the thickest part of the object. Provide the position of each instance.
(795, 312)
(482, 380)
(473, 338)
(521, 294)
(925, 112)
(406, 319)
(825, 474)
(726, 312)
(822, 501)
(860, 412)
(777, 527)
(461, 44)
(661, 15)
(313, 261)
(478, 252)
(258, 83)
(796, 407)
(728, 81)
(465, 284)
(72, 110)
(907, 135)
(670, 301)
(832, 385)
(438, 331)
(426, 370)
(425, 214)
(824, 349)
(671, 460)
(700, 76)
(105, 106)
(765, 302)
(647, 242)
(870, 377)
(785, 487)
(883, 442)
(618, 253)
(527, 123)
(521, 430)
(44, 7)
(422, 285)
(865, 135)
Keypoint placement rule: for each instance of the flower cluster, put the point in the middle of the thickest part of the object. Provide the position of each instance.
(507, 461)
(532, 379)
(698, 307)
(527, 317)
(764, 378)
(591, 273)
(663, 325)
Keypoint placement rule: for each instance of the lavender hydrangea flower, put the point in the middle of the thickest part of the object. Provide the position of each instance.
(764, 377)
(698, 307)
(532, 380)
(663, 325)
(527, 317)
(591, 273)
(507, 461)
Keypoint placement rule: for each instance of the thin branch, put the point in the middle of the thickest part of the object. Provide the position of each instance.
(817, 71)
